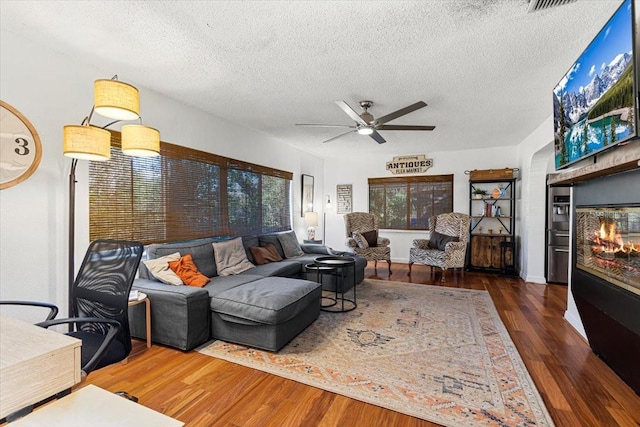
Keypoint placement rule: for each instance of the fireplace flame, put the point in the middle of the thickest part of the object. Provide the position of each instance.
(609, 241)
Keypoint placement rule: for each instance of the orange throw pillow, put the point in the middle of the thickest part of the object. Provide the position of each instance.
(186, 269)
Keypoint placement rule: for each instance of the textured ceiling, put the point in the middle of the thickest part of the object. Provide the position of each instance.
(485, 68)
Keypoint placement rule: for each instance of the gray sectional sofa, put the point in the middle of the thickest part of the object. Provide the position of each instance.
(263, 307)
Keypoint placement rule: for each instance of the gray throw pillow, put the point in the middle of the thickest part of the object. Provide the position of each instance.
(439, 241)
(231, 257)
(290, 245)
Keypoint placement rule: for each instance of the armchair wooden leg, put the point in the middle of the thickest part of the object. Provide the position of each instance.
(410, 264)
(442, 280)
(375, 266)
(389, 262)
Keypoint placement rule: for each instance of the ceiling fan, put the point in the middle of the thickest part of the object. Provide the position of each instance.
(367, 125)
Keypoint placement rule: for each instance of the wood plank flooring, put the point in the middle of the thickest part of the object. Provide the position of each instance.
(577, 387)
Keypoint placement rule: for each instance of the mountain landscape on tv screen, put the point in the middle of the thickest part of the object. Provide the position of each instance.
(593, 105)
(598, 115)
(578, 104)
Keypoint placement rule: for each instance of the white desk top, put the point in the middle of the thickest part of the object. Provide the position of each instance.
(95, 407)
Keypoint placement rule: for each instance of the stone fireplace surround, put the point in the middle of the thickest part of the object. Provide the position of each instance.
(610, 314)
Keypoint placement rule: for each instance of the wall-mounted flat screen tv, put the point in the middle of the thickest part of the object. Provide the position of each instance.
(594, 105)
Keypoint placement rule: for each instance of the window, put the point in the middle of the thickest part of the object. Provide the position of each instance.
(184, 194)
(407, 203)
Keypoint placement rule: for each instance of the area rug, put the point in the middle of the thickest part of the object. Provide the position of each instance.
(435, 353)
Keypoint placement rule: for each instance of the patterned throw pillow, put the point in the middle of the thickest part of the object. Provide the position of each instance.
(188, 272)
(360, 240)
(290, 245)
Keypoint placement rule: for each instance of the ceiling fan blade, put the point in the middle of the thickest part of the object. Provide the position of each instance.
(378, 138)
(404, 127)
(339, 136)
(351, 112)
(321, 125)
(400, 112)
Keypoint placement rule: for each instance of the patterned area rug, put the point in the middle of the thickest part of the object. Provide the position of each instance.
(436, 353)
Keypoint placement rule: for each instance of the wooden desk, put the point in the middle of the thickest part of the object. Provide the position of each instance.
(35, 363)
(95, 407)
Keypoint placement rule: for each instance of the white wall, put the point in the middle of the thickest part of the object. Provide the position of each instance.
(536, 160)
(53, 90)
(356, 171)
(532, 199)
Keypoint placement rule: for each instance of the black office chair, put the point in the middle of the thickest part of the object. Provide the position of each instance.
(100, 298)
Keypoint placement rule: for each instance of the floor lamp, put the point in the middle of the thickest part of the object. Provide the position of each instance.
(324, 220)
(116, 100)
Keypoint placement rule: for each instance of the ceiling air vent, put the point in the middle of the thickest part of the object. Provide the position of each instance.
(536, 5)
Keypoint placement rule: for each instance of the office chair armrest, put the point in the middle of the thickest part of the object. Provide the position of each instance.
(53, 309)
(75, 320)
(114, 328)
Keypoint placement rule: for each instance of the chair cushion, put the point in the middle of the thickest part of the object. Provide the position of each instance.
(439, 241)
(272, 300)
(285, 268)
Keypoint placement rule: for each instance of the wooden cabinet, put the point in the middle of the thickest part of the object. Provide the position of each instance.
(492, 243)
(491, 252)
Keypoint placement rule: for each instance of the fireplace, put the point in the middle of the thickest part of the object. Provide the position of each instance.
(605, 275)
(608, 244)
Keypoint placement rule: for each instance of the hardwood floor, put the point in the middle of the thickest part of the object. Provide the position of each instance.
(577, 387)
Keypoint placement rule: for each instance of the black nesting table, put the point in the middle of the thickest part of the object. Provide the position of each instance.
(338, 268)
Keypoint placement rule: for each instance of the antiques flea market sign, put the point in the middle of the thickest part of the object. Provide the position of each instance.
(409, 164)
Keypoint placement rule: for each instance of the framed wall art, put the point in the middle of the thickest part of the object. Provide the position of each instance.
(307, 194)
(344, 198)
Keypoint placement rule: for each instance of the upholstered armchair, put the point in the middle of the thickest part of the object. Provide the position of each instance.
(361, 230)
(447, 246)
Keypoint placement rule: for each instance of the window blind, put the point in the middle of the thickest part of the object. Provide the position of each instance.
(406, 203)
(184, 194)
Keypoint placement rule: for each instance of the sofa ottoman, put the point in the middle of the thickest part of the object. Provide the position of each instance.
(265, 313)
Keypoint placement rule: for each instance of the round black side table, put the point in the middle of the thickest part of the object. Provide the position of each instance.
(320, 271)
(341, 264)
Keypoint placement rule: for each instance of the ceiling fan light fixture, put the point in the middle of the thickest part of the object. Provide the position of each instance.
(365, 130)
